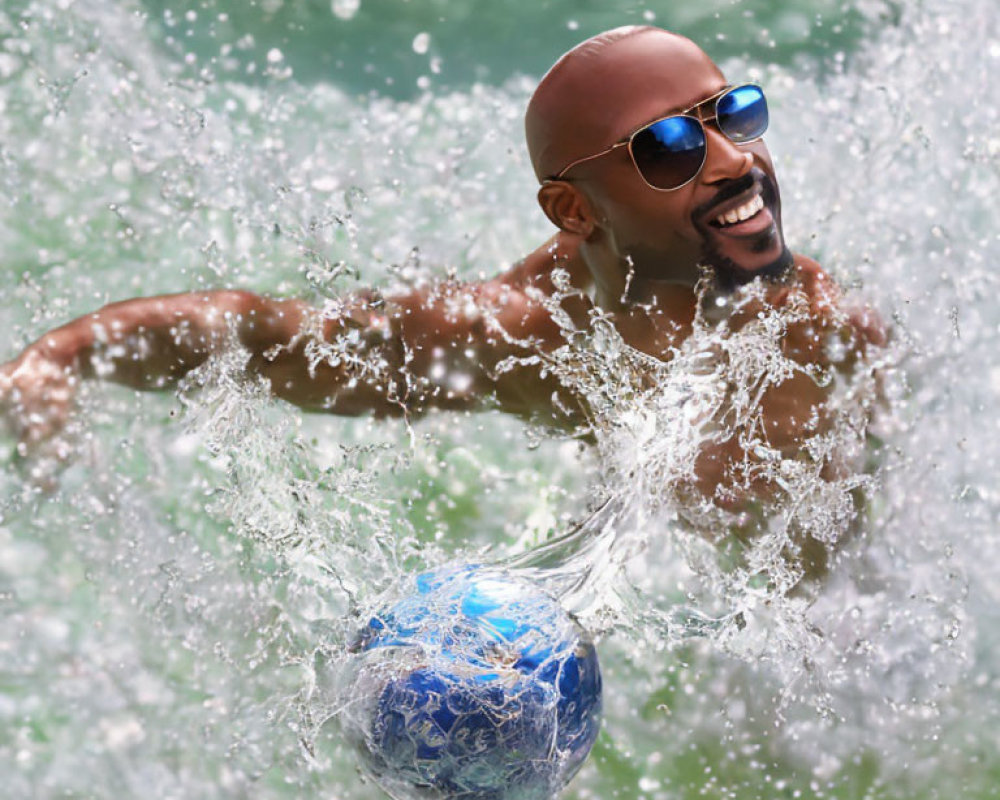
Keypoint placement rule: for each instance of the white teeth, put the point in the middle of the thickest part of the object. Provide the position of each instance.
(745, 211)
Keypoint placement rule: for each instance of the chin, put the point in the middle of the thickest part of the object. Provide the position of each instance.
(771, 261)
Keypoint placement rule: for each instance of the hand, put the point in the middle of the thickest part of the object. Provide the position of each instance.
(36, 398)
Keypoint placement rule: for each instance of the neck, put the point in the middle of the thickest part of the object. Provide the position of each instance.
(620, 282)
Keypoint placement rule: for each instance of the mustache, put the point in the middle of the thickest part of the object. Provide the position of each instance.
(729, 190)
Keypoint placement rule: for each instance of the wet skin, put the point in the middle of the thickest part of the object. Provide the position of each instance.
(633, 252)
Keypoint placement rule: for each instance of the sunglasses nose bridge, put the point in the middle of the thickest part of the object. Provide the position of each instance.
(724, 159)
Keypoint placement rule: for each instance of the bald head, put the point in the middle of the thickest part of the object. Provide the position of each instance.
(586, 101)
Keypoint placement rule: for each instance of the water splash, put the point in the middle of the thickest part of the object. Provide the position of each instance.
(653, 421)
(127, 171)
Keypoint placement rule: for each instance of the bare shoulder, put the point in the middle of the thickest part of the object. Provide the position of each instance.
(809, 270)
(818, 285)
(829, 302)
(562, 253)
(523, 298)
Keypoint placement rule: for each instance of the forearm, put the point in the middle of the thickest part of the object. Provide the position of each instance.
(150, 343)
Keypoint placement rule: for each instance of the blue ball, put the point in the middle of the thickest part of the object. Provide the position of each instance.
(476, 685)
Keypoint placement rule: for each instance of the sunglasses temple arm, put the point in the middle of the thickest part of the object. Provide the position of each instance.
(585, 159)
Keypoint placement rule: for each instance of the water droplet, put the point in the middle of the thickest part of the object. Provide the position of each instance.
(345, 9)
(421, 42)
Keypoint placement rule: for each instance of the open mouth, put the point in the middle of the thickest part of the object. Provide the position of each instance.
(741, 208)
(740, 213)
(743, 216)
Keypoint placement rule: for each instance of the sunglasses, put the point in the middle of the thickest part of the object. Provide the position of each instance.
(670, 152)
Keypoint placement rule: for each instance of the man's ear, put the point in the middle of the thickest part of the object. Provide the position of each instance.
(567, 208)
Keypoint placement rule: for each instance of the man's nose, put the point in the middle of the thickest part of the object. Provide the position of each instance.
(724, 160)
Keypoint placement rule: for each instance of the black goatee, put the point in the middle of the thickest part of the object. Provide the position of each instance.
(728, 276)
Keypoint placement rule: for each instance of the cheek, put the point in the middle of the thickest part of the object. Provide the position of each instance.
(645, 215)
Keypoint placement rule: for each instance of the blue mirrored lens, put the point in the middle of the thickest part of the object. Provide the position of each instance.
(677, 134)
(670, 152)
(741, 113)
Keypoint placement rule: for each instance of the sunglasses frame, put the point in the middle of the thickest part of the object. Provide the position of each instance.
(701, 120)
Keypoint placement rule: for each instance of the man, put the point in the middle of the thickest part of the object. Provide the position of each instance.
(653, 170)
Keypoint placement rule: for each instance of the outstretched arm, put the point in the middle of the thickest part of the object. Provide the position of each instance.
(403, 354)
(146, 343)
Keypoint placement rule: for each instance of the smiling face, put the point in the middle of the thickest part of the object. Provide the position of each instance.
(727, 217)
